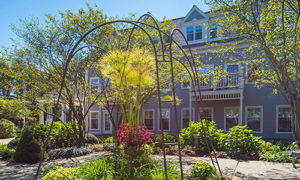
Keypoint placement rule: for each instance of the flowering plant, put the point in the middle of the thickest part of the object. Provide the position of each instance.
(133, 135)
(203, 170)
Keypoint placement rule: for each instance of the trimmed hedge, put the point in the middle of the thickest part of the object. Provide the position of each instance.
(61, 153)
(7, 129)
(28, 150)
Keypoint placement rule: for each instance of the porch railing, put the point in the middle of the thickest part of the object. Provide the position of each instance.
(232, 80)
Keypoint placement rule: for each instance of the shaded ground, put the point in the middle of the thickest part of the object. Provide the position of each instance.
(244, 169)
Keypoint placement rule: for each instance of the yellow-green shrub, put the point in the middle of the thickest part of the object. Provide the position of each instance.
(61, 173)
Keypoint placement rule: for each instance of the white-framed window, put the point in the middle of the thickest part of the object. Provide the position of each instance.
(231, 117)
(186, 117)
(107, 125)
(213, 30)
(94, 120)
(186, 83)
(283, 119)
(165, 119)
(194, 33)
(251, 68)
(95, 82)
(48, 114)
(206, 113)
(232, 67)
(254, 118)
(148, 118)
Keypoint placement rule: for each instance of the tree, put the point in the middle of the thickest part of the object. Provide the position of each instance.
(272, 29)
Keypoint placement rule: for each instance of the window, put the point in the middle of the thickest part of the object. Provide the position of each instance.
(190, 33)
(185, 84)
(185, 115)
(213, 31)
(206, 113)
(194, 33)
(149, 119)
(231, 116)
(283, 119)
(106, 122)
(198, 34)
(252, 69)
(232, 68)
(48, 115)
(254, 118)
(94, 83)
(165, 119)
(94, 120)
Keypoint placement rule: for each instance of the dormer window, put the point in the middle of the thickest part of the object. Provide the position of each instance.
(213, 31)
(190, 33)
(194, 33)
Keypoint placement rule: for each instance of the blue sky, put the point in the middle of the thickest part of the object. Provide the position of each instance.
(13, 10)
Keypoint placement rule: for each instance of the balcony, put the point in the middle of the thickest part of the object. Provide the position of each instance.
(220, 88)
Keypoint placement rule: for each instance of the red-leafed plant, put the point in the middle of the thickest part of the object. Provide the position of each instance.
(133, 135)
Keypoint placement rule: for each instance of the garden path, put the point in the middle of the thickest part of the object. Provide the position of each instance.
(244, 170)
(6, 141)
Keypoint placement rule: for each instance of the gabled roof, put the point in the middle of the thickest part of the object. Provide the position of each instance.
(194, 14)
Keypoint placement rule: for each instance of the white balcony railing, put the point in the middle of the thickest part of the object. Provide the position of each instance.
(232, 80)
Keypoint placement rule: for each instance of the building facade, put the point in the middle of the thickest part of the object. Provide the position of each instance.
(234, 100)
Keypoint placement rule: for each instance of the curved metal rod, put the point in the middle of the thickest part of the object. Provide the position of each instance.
(71, 55)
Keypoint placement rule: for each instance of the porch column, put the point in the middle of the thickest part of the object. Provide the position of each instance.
(240, 123)
(63, 113)
(41, 116)
(190, 102)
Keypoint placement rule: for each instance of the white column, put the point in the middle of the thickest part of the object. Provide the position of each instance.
(62, 113)
(190, 103)
(241, 108)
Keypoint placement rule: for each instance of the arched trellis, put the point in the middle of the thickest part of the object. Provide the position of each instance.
(192, 73)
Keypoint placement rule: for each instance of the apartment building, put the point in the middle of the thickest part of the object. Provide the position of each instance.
(234, 100)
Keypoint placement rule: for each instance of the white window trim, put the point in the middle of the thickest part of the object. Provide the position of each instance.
(92, 78)
(153, 110)
(261, 117)
(90, 120)
(103, 123)
(246, 75)
(181, 85)
(212, 112)
(232, 63)
(277, 113)
(158, 118)
(225, 117)
(193, 115)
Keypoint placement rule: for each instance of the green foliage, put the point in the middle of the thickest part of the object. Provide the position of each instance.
(109, 140)
(28, 149)
(62, 134)
(239, 141)
(275, 152)
(62, 153)
(203, 170)
(92, 139)
(61, 173)
(109, 146)
(6, 152)
(7, 129)
(13, 143)
(13, 109)
(187, 134)
(167, 139)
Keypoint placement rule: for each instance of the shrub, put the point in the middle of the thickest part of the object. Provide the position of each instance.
(68, 152)
(28, 149)
(109, 146)
(61, 173)
(13, 143)
(62, 134)
(203, 170)
(133, 135)
(187, 134)
(281, 156)
(7, 129)
(109, 140)
(5, 152)
(239, 141)
(92, 139)
(167, 139)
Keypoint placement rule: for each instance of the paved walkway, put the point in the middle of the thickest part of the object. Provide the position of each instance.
(6, 141)
(244, 169)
